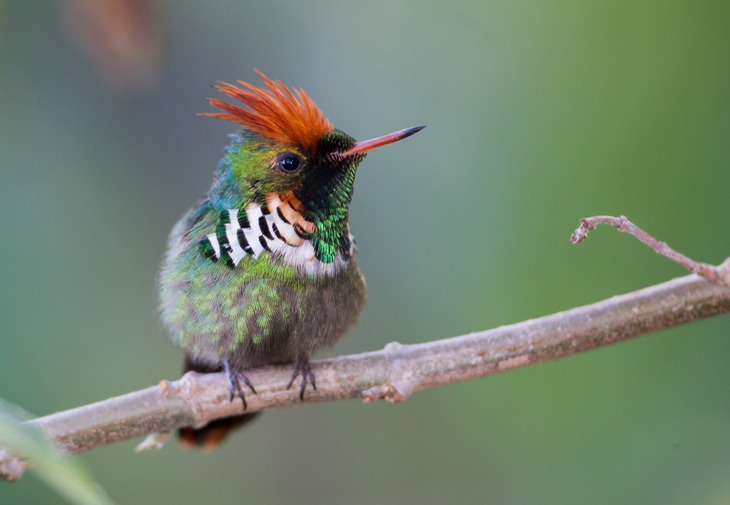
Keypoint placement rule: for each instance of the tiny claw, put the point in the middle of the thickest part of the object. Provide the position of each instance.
(305, 369)
(234, 383)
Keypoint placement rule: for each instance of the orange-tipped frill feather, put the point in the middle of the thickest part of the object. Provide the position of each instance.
(282, 115)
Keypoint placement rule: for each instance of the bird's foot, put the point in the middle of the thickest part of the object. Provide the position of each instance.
(305, 369)
(235, 377)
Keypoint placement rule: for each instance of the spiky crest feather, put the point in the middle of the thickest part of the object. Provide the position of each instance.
(279, 114)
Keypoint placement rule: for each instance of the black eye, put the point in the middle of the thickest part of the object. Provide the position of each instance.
(289, 162)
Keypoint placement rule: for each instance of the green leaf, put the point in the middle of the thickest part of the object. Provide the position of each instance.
(65, 475)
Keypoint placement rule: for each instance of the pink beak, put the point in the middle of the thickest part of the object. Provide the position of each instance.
(366, 145)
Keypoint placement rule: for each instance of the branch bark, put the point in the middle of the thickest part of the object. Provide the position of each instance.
(392, 373)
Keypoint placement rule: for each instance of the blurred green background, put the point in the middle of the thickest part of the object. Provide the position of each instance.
(538, 113)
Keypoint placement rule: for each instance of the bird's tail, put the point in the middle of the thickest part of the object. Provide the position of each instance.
(209, 436)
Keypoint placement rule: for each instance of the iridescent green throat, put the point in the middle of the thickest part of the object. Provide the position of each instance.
(326, 193)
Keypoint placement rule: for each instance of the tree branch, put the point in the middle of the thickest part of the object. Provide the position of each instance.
(392, 373)
(718, 275)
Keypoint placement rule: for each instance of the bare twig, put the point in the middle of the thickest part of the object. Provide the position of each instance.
(718, 275)
(392, 373)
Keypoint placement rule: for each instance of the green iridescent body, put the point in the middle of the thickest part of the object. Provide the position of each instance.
(264, 310)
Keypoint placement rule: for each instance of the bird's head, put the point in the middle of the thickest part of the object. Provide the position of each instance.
(288, 154)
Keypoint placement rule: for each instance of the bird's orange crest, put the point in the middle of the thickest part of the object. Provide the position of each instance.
(275, 112)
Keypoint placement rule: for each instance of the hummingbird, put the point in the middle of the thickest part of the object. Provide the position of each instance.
(262, 269)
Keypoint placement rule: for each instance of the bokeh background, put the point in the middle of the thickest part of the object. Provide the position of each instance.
(538, 113)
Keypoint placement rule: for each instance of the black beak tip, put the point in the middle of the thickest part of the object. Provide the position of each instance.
(413, 129)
